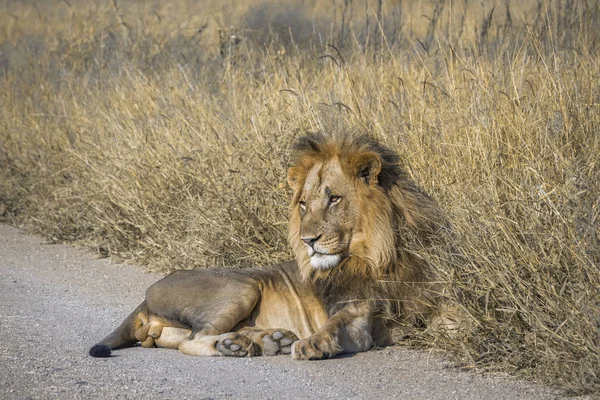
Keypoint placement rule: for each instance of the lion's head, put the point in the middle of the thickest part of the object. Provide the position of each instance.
(351, 206)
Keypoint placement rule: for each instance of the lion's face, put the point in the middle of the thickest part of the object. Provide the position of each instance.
(331, 201)
(328, 212)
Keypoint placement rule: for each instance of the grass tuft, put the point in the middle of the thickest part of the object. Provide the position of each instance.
(159, 133)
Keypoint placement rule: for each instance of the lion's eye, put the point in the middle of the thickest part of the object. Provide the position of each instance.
(302, 205)
(334, 200)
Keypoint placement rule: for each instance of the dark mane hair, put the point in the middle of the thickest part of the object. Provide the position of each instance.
(316, 143)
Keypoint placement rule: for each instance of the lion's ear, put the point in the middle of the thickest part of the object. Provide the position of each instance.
(367, 167)
(293, 176)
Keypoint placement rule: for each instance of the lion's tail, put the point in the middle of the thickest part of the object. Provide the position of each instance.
(123, 336)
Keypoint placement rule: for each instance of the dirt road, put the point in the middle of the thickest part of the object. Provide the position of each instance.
(56, 301)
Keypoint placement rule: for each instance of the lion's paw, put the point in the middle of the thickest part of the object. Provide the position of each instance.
(235, 345)
(314, 348)
(278, 342)
(148, 332)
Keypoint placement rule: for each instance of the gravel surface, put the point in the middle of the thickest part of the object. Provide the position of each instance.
(56, 301)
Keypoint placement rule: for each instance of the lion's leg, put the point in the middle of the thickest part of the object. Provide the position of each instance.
(347, 331)
(270, 342)
(227, 344)
(171, 337)
(381, 334)
(214, 337)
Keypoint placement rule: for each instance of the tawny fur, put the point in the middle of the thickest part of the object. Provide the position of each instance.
(354, 219)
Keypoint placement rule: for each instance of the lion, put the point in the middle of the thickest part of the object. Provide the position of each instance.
(353, 215)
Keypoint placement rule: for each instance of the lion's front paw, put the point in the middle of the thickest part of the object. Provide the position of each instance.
(314, 348)
(235, 345)
(278, 342)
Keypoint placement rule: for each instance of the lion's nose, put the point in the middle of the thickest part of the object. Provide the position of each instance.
(311, 240)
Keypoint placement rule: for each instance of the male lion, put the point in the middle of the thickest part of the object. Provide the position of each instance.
(352, 212)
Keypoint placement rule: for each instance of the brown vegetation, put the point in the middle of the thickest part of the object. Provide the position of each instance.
(160, 133)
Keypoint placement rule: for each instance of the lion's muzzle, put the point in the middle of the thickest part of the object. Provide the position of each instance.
(321, 255)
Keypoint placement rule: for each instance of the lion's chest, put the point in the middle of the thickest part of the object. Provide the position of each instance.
(289, 306)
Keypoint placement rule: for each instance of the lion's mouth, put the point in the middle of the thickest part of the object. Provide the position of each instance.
(324, 261)
(313, 252)
(319, 253)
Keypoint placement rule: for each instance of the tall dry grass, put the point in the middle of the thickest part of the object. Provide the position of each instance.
(159, 133)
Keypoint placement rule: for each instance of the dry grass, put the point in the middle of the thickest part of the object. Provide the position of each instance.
(159, 133)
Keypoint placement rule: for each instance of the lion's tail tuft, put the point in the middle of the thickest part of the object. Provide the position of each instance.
(100, 351)
(123, 336)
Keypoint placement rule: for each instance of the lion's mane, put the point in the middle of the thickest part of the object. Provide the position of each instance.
(397, 216)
